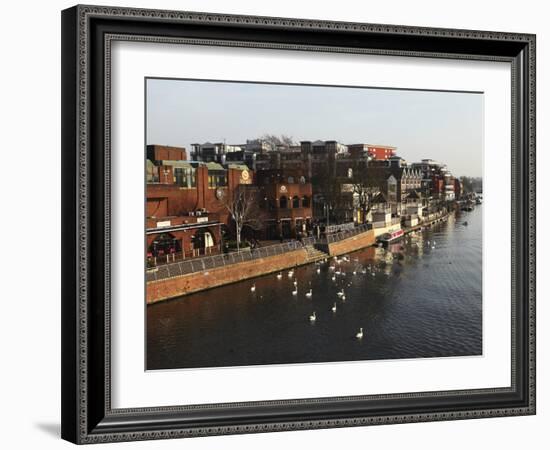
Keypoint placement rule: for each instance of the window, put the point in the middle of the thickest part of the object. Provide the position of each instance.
(306, 202)
(295, 202)
(185, 177)
(217, 178)
(283, 202)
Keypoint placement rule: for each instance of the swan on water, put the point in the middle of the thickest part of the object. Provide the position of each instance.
(253, 287)
(312, 318)
(359, 335)
(309, 293)
(334, 307)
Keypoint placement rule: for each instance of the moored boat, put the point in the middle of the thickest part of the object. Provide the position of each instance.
(386, 238)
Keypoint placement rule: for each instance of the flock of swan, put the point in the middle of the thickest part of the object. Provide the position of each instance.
(336, 271)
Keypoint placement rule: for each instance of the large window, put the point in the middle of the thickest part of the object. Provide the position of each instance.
(295, 202)
(185, 177)
(217, 178)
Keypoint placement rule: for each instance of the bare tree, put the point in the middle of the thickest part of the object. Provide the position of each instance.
(328, 190)
(274, 140)
(366, 184)
(243, 206)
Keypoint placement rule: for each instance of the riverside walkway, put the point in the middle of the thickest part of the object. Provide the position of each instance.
(315, 247)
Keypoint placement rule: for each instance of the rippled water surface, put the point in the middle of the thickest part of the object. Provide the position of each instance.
(419, 298)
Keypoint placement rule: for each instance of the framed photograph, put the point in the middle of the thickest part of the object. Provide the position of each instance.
(279, 224)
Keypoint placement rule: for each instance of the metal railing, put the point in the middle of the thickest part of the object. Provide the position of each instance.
(312, 240)
(340, 227)
(206, 263)
(335, 237)
(211, 262)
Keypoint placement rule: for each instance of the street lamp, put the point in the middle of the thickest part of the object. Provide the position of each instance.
(327, 212)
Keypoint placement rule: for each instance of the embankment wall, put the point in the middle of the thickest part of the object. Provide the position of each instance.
(199, 281)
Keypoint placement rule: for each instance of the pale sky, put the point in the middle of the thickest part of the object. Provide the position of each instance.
(444, 126)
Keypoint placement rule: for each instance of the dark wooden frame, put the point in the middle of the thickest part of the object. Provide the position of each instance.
(87, 31)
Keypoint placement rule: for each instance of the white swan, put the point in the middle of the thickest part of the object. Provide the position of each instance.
(359, 335)
(253, 288)
(334, 307)
(295, 283)
(318, 270)
(333, 278)
(279, 275)
(312, 318)
(290, 273)
(340, 293)
(309, 293)
(295, 291)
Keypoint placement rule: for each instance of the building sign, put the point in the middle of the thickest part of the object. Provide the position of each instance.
(165, 223)
(202, 219)
(282, 188)
(245, 176)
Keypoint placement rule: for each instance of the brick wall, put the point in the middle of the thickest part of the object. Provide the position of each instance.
(353, 243)
(166, 152)
(186, 284)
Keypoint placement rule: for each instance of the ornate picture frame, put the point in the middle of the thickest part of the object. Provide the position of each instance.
(87, 35)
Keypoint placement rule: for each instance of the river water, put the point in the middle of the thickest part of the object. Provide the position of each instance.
(419, 298)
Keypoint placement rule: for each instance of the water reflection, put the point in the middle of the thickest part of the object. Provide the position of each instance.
(420, 297)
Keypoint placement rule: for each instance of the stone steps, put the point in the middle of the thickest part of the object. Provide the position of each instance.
(314, 254)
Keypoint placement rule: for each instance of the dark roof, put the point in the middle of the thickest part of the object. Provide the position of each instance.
(413, 195)
(380, 198)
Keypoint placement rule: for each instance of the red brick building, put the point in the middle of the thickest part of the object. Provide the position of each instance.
(185, 210)
(286, 199)
(381, 152)
(166, 153)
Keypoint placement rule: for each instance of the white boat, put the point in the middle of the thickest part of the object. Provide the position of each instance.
(386, 238)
